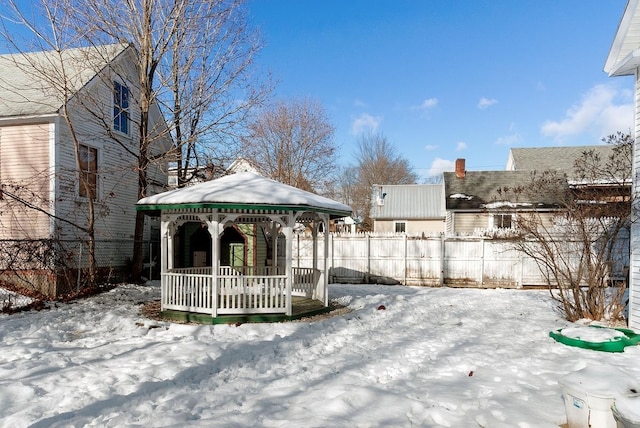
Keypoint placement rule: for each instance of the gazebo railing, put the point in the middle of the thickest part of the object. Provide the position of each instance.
(256, 291)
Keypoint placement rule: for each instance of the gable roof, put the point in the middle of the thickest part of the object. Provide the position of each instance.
(408, 201)
(479, 190)
(624, 55)
(25, 93)
(561, 159)
(244, 190)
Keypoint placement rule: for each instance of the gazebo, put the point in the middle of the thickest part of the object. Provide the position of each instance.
(220, 255)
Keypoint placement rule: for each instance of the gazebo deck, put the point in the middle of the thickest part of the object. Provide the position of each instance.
(301, 307)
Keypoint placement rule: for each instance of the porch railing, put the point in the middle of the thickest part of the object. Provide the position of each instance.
(240, 290)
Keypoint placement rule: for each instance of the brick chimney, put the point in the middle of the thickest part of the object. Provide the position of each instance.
(460, 168)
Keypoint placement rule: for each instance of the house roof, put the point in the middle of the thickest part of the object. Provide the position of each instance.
(408, 201)
(624, 55)
(27, 93)
(244, 190)
(560, 159)
(480, 190)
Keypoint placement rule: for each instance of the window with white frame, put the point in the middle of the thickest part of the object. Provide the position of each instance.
(88, 180)
(502, 221)
(120, 108)
(400, 226)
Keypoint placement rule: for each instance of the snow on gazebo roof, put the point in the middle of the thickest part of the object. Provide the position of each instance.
(244, 190)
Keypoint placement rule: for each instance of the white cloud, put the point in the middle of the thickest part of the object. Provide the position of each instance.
(365, 123)
(430, 147)
(438, 166)
(461, 146)
(485, 103)
(509, 140)
(597, 113)
(359, 103)
(429, 103)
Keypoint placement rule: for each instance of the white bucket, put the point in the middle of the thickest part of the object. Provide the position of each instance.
(590, 393)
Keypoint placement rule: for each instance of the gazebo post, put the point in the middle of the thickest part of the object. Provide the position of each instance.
(325, 276)
(314, 235)
(274, 247)
(288, 235)
(165, 253)
(215, 231)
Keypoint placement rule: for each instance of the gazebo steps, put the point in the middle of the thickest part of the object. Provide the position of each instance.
(302, 307)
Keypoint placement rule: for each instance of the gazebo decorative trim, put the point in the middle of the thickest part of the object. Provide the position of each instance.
(259, 291)
(334, 213)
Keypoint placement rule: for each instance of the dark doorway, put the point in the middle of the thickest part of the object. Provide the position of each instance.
(232, 248)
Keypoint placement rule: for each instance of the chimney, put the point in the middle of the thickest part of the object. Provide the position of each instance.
(460, 170)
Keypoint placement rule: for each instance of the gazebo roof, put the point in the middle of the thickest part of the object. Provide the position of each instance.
(244, 190)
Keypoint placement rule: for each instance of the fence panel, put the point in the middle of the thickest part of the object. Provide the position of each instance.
(436, 260)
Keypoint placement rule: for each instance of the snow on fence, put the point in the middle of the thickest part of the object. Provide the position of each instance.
(473, 261)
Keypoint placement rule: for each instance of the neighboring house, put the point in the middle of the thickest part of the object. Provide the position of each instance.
(624, 60)
(605, 193)
(39, 173)
(243, 165)
(210, 172)
(408, 208)
(557, 158)
(474, 202)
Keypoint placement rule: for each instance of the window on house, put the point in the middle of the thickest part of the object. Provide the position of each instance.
(502, 221)
(400, 226)
(88, 180)
(120, 108)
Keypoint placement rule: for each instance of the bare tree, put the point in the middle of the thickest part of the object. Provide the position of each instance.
(292, 142)
(584, 245)
(378, 162)
(53, 69)
(193, 58)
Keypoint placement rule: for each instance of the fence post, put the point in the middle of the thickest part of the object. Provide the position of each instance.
(442, 255)
(482, 258)
(404, 282)
(368, 257)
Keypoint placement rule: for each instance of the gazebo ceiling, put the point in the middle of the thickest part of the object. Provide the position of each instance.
(243, 191)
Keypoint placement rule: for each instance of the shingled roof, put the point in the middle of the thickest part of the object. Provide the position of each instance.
(479, 190)
(28, 93)
(561, 159)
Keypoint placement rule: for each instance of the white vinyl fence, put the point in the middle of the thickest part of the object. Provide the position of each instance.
(431, 261)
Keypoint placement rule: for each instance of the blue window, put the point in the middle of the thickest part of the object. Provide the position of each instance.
(120, 108)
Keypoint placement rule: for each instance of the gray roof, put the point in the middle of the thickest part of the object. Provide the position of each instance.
(480, 190)
(560, 159)
(26, 92)
(408, 201)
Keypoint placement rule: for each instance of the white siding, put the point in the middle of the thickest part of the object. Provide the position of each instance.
(24, 162)
(413, 226)
(634, 284)
(115, 206)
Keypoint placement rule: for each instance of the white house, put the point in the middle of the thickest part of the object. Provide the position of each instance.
(624, 60)
(96, 89)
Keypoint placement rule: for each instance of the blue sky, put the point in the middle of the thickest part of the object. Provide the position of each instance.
(447, 79)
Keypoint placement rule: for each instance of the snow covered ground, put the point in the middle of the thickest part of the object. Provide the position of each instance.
(435, 357)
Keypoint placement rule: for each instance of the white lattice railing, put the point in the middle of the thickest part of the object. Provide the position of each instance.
(305, 281)
(191, 290)
(252, 294)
